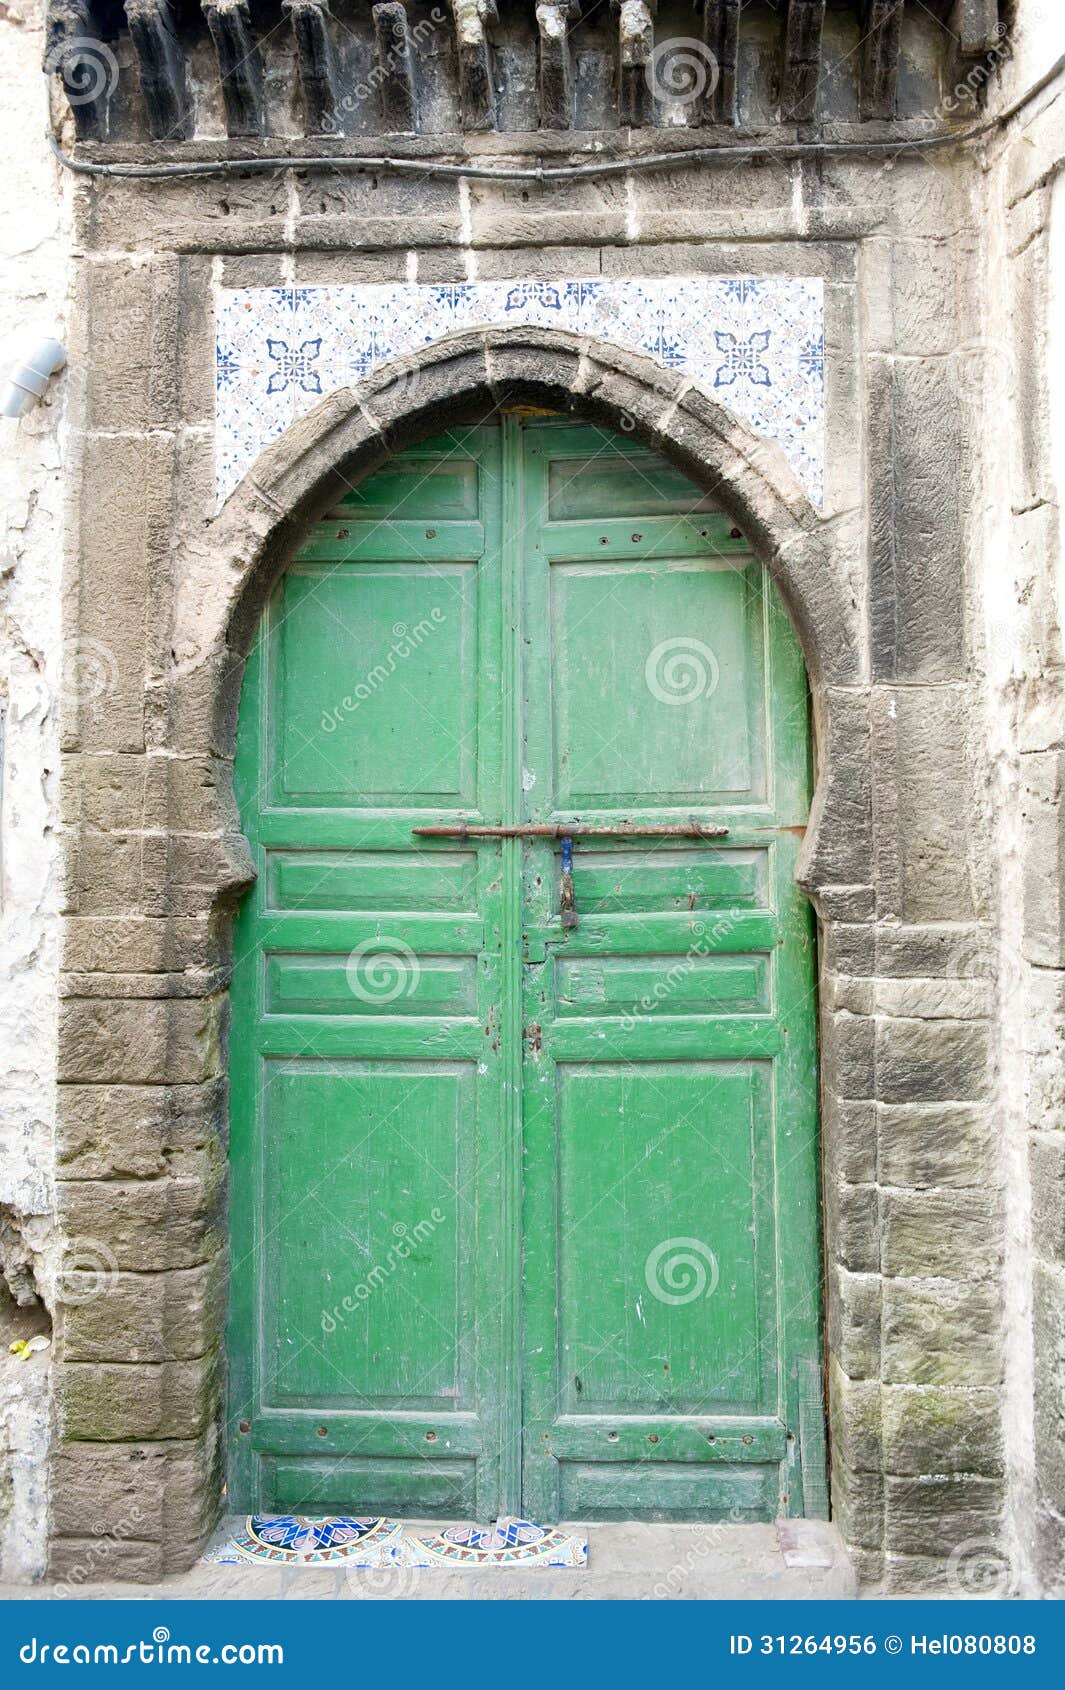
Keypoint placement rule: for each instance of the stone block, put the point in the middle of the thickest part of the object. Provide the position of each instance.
(848, 1135)
(847, 1055)
(1048, 1321)
(141, 1226)
(855, 1423)
(104, 657)
(154, 1317)
(139, 945)
(147, 1042)
(853, 1227)
(923, 804)
(936, 1144)
(959, 951)
(934, 1516)
(116, 1132)
(931, 1061)
(158, 1492)
(932, 1234)
(75, 1563)
(854, 1322)
(942, 1332)
(933, 1430)
(935, 1000)
(101, 1402)
(844, 828)
(131, 316)
(858, 1508)
(1044, 858)
(1046, 1162)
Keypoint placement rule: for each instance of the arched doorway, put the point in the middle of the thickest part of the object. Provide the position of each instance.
(524, 1206)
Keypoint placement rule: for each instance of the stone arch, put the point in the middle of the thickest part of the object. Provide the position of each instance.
(230, 569)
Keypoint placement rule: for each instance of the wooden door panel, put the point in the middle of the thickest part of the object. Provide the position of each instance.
(670, 1106)
(367, 1365)
(624, 668)
(364, 709)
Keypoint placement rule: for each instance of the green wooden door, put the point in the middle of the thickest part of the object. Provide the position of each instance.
(524, 1215)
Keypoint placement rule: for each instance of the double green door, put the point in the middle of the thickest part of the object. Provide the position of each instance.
(524, 1208)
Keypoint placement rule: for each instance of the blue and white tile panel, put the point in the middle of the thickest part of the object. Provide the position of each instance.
(755, 343)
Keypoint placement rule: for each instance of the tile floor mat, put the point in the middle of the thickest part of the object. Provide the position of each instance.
(294, 1540)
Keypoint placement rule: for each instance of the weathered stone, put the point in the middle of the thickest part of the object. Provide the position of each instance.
(156, 1317)
(142, 1226)
(932, 1516)
(139, 945)
(139, 1132)
(1044, 859)
(849, 1133)
(942, 1333)
(162, 1493)
(1049, 1342)
(935, 1234)
(938, 1144)
(855, 1422)
(931, 1061)
(104, 1402)
(854, 1322)
(171, 1043)
(1046, 1161)
(957, 1430)
(853, 1228)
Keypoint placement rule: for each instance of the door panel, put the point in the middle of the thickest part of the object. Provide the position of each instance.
(367, 1359)
(524, 1216)
(669, 1124)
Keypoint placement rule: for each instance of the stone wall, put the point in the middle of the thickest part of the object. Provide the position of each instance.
(933, 858)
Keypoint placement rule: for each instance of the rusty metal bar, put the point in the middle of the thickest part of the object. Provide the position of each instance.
(576, 830)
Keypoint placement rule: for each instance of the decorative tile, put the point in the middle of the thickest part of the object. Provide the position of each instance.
(293, 1540)
(756, 344)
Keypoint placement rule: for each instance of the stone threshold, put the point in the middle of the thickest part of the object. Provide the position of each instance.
(795, 1560)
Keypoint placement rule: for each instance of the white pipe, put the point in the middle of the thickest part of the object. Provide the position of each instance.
(28, 380)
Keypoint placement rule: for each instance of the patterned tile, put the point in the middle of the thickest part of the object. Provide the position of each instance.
(294, 1540)
(754, 343)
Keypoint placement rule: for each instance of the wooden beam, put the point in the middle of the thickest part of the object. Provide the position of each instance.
(317, 63)
(882, 25)
(74, 51)
(476, 89)
(395, 67)
(802, 60)
(161, 65)
(240, 66)
(721, 33)
(636, 42)
(556, 62)
(975, 26)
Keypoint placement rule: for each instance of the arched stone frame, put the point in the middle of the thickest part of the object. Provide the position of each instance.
(223, 580)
